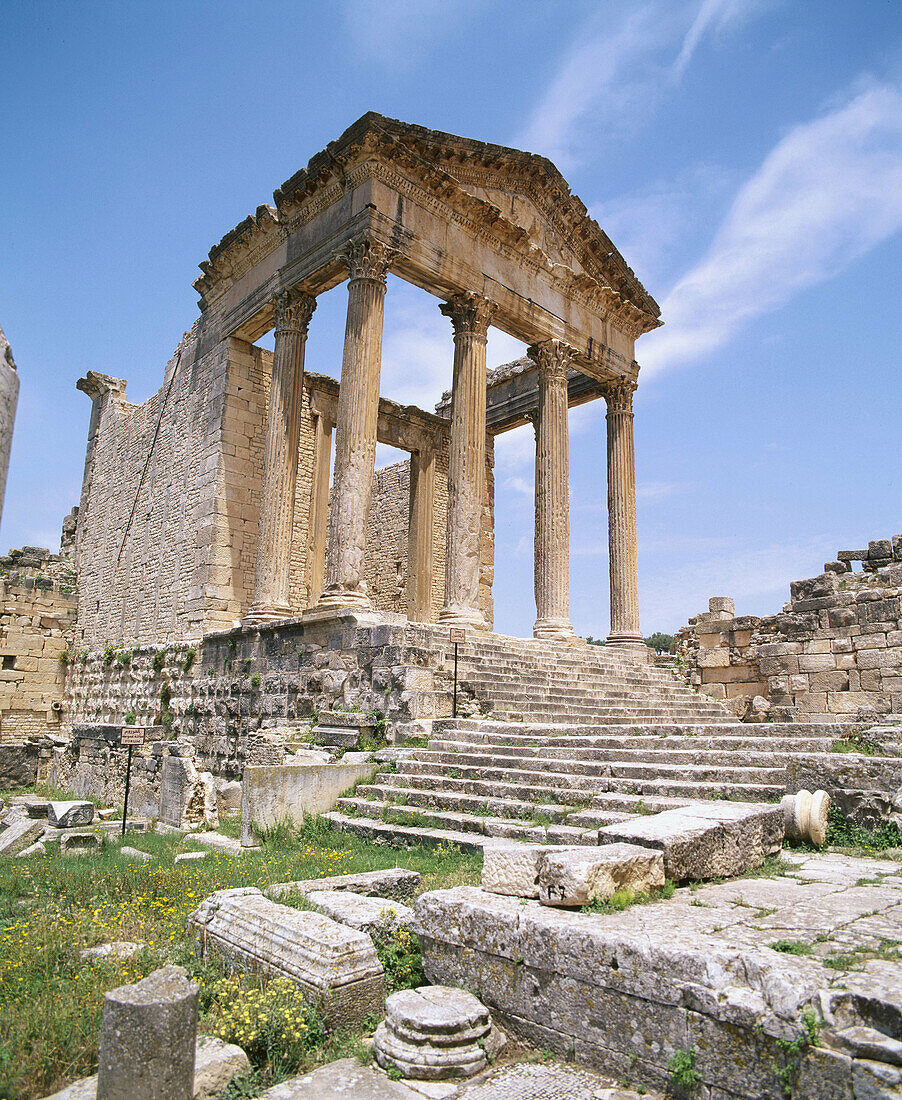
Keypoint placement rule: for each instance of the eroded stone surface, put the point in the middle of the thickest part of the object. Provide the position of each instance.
(356, 911)
(705, 840)
(66, 815)
(19, 835)
(433, 1033)
(394, 882)
(583, 875)
(513, 868)
(335, 966)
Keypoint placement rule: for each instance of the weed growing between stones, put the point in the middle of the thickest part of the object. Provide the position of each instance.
(792, 947)
(843, 833)
(683, 1075)
(858, 743)
(623, 899)
(794, 1051)
(399, 952)
(51, 908)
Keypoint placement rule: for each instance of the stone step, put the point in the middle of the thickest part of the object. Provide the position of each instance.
(629, 741)
(700, 789)
(401, 835)
(501, 756)
(548, 802)
(577, 789)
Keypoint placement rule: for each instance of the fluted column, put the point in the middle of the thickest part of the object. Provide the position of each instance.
(624, 567)
(318, 526)
(293, 310)
(470, 315)
(368, 262)
(552, 535)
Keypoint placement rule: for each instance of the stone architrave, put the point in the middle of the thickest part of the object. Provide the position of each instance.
(624, 567)
(552, 534)
(293, 310)
(368, 262)
(471, 315)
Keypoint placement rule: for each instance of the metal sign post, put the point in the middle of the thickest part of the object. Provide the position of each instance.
(458, 634)
(131, 736)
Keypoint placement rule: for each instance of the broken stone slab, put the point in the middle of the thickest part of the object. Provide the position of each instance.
(433, 1033)
(37, 849)
(36, 807)
(119, 949)
(366, 914)
(345, 1079)
(19, 835)
(190, 857)
(220, 843)
(228, 797)
(705, 840)
(336, 967)
(578, 877)
(187, 796)
(135, 854)
(307, 756)
(394, 882)
(108, 815)
(69, 815)
(147, 1039)
(867, 1042)
(215, 1064)
(513, 868)
(78, 843)
(343, 729)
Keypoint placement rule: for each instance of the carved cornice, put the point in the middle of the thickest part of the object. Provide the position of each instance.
(619, 395)
(293, 310)
(470, 314)
(367, 258)
(553, 358)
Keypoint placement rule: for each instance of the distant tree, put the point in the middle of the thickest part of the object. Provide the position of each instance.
(659, 642)
(594, 641)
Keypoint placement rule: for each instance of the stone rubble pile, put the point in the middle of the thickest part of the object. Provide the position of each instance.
(30, 825)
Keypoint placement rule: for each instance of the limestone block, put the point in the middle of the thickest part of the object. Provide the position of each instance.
(579, 876)
(366, 914)
(345, 1079)
(335, 966)
(187, 797)
(722, 603)
(228, 797)
(19, 835)
(190, 857)
(433, 1033)
(67, 815)
(514, 868)
(75, 843)
(817, 662)
(119, 949)
(394, 882)
(135, 854)
(718, 657)
(216, 1064)
(705, 840)
(147, 1038)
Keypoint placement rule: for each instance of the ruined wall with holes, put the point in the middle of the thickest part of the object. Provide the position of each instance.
(37, 621)
(834, 653)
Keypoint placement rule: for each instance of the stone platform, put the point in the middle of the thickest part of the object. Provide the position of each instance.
(728, 970)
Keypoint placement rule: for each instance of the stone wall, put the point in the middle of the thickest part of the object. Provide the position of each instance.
(834, 653)
(37, 621)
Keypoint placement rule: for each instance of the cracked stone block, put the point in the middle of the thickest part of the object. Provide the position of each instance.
(366, 914)
(514, 868)
(20, 835)
(394, 882)
(705, 840)
(336, 967)
(433, 1033)
(67, 815)
(573, 878)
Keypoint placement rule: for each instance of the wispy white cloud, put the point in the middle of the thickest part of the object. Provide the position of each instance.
(713, 16)
(397, 34)
(830, 191)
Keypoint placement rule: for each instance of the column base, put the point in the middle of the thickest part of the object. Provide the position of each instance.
(630, 645)
(334, 598)
(267, 614)
(553, 630)
(468, 617)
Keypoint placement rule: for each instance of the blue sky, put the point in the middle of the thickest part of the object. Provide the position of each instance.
(744, 155)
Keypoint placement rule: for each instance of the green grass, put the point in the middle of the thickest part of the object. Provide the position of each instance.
(51, 908)
(623, 899)
(842, 833)
(792, 947)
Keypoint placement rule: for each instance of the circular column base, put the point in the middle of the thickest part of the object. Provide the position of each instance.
(469, 617)
(352, 598)
(267, 614)
(560, 630)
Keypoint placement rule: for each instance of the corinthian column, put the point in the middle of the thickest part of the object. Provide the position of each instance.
(355, 434)
(470, 315)
(293, 310)
(552, 545)
(622, 516)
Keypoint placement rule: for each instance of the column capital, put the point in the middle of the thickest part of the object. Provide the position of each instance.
(619, 395)
(293, 310)
(553, 358)
(367, 258)
(470, 314)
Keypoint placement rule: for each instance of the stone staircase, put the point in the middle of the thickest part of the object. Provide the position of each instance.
(550, 682)
(479, 780)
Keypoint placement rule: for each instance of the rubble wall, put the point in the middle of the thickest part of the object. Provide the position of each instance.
(37, 621)
(834, 653)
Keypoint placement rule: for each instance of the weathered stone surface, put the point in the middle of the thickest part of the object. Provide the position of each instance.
(187, 796)
(805, 816)
(135, 854)
(147, 1039)
(120, 949)
(228, 797)
(190, 857)
(356, 911)
(285, 793)
(394, 882)
(867, 1042)
(216, 1064)
(75, 843)
(433, 1033)
(32, 850)
(20, 835)
(705, 840)
(511, 868)
(67, 815)
(335, 966)
(577, 877)
(345, 1079)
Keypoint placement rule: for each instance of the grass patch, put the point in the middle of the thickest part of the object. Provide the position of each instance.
(51, 908)
(842, 833)
(791, 947)
(858, 743)
(623, 899)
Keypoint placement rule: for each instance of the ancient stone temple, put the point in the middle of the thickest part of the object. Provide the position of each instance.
(210, 504)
